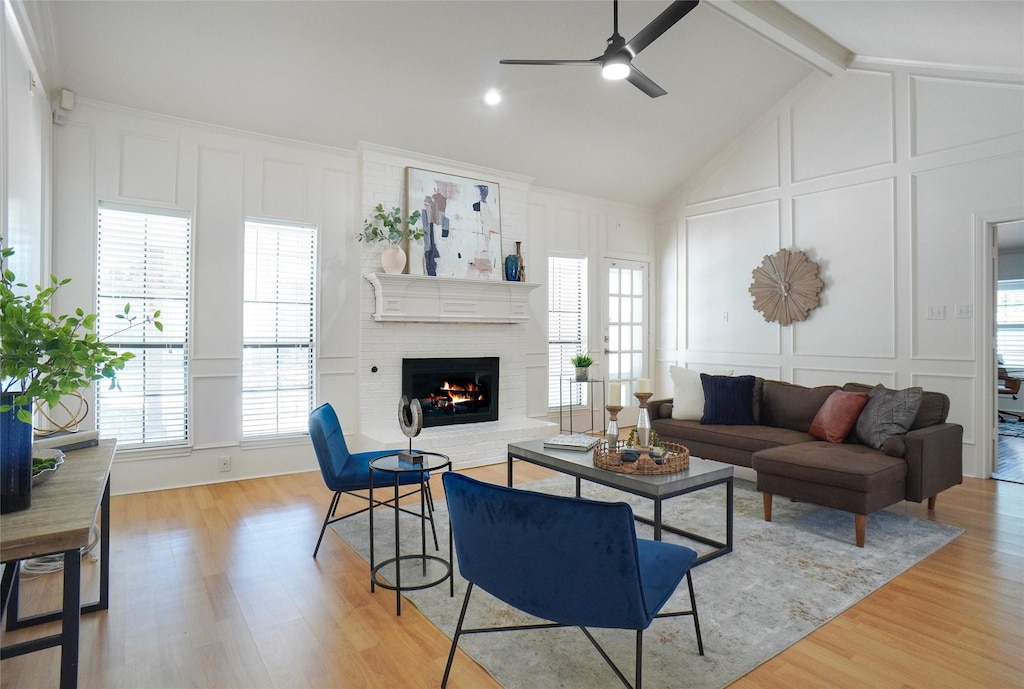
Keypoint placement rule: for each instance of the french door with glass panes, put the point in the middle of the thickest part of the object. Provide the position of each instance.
(627, 324)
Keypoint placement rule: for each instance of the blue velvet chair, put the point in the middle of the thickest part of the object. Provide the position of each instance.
(345, 472)
(572, 561)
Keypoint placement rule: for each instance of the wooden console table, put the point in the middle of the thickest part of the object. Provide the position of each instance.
(62, 514)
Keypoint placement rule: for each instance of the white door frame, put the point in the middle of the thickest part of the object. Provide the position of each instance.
(628, 415)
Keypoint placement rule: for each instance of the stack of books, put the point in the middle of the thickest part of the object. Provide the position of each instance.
(576, 441)
(67, 442)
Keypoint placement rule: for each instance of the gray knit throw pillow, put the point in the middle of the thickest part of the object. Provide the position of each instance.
(887, 413)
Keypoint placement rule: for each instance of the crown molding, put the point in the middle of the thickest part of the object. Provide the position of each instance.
(866, 62)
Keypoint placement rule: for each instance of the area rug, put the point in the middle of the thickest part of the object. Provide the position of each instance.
(1014, 429)
(783, 580)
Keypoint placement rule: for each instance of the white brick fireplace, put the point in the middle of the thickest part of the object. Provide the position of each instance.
(384, 343)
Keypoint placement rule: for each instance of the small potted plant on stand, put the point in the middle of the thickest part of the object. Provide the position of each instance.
(582, 362)
(386, 226)
(43, 356)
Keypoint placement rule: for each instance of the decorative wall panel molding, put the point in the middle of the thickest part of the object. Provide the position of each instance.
(948, 113)
(149, 168)
(845, 125)
(283, 188)
(752, 166)
(850, 227)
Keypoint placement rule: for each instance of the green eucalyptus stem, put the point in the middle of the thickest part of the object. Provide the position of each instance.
(386, 226)
(44, 356)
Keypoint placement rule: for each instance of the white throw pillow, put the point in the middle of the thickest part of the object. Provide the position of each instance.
(688, 393)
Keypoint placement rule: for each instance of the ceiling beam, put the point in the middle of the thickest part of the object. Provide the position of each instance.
(796, 36)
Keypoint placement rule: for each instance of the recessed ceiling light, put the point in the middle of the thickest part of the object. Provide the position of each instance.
(492, 97)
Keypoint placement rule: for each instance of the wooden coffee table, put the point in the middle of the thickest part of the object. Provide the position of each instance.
(703, 473)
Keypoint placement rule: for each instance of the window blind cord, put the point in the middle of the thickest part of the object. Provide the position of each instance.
(48, 564)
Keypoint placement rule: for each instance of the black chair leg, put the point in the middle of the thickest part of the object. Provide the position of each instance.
(327, 520)
(455, 638)
(696, 621)
(430, 496)
(425, 486)
(639, 658)
(611, 663)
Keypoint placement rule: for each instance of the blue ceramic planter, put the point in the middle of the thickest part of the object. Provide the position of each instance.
(15, 457)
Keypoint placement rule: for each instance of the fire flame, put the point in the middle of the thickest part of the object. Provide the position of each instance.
(456, 394)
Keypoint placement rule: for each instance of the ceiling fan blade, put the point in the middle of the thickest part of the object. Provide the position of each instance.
(549, 62)
(644, 83)
(660, 24)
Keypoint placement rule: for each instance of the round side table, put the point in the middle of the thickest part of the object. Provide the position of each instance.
(429, 570)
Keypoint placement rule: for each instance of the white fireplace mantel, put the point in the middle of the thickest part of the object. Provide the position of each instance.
(427, 299)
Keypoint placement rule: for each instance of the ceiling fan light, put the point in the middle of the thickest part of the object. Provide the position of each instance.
(615, 69)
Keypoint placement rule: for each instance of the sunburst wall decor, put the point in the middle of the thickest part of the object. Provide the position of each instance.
(786, 286)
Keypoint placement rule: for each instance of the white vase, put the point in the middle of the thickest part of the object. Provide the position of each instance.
(392, 259)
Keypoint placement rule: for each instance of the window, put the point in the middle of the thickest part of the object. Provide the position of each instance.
(1010, 323)
(142, 259)
(567, 326)
(278, 329)
(627, 323)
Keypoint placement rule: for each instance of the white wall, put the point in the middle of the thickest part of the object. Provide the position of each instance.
(25, 150)
(885, 178)
(221, 177)
(384, 345)
(546, 222)
(572, 225)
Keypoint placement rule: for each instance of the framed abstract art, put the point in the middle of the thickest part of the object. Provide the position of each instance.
(462, 226)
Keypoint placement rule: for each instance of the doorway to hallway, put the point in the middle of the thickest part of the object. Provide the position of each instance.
(1009, 350)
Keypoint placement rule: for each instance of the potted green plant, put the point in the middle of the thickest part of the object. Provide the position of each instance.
(43, 356)
(386, 226)
(582, 362)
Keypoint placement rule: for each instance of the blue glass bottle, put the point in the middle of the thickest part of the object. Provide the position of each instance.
(512, 268)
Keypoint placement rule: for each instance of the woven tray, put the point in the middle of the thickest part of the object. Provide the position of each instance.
(677, 459)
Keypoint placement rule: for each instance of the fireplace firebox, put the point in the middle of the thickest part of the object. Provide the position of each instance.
(453, 390)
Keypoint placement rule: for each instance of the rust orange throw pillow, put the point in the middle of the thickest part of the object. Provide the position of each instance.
(837, 416)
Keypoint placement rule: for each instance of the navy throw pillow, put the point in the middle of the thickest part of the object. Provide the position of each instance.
(728, 400)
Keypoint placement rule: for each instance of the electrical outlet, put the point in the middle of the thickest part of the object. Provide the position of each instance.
(725, 316)
(964, 311)
(936, 313)
(225, 463)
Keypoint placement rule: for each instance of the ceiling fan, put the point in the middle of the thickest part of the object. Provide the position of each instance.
(616, 61)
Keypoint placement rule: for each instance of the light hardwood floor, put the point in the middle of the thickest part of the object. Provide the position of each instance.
(215, 586)
(1010, 464)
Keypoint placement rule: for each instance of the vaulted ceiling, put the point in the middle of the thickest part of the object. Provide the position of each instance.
(411, 73)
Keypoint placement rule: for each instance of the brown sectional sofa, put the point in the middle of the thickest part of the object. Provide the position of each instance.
(851, 476)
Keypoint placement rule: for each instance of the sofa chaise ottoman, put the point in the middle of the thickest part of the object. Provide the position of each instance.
(857, 448)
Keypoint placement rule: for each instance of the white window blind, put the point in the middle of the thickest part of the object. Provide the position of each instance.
(142, 259)
(567, 327)
(278, 330)
(1010, 323)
